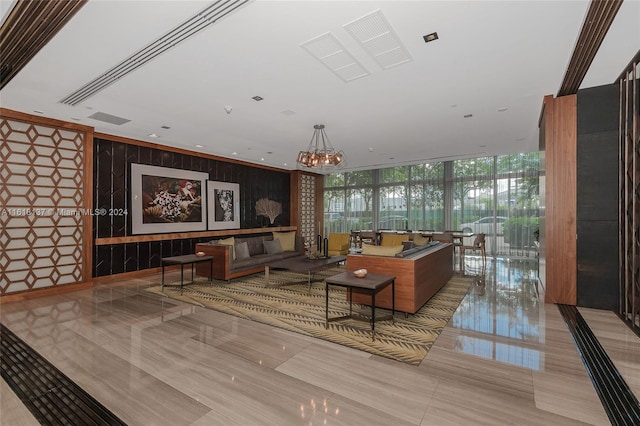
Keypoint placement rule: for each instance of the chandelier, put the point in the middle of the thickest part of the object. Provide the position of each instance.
(320, 153)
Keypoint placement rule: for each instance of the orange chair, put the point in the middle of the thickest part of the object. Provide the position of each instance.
(338, 243)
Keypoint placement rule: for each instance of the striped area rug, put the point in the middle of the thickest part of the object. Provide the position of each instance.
(291, 306)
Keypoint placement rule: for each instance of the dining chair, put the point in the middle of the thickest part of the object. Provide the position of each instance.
(368, 237)
(479, 245)
(456, 241)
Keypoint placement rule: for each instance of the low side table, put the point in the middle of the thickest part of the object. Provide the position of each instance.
(372, 283)
(184, 260)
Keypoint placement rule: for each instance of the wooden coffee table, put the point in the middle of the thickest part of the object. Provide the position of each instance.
(372, 284)
(301, 264)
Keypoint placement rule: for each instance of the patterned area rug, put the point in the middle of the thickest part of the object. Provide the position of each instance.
(291, 306)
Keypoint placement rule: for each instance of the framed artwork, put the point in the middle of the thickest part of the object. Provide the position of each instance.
(223, 205)
(167, 200)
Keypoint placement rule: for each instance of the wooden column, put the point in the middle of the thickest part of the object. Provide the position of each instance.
(560, 144)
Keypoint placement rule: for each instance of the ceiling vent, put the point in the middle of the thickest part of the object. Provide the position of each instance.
(327, 49)
(379, 40)
(108, 118)
(200, 21)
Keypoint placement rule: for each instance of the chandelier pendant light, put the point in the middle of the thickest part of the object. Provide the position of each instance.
(320, 152)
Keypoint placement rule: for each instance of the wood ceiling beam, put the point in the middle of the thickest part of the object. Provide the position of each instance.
(599, 18)
(28, 28)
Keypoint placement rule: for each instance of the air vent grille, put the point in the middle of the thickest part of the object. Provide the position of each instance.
(202, 20)
(327, 49)
(108, 118)
(379, 40)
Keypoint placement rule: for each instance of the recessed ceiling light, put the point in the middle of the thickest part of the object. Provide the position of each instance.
(257, 98)
(285, 164)
(468, 115)
(152, 135)
(503, 109)
(199, 146)
(430, 37)
(234, 153)
(261, 158)
(165, 127)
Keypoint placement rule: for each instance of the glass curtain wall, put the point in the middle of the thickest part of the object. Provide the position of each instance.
(393, 199)
(426, 201)
(474, 209)
(518, 199)
(497, 196)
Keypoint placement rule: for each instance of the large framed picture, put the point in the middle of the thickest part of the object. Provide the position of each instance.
(167, 200)
(223, 205)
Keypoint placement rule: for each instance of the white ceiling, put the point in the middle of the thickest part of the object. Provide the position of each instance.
(490, 55)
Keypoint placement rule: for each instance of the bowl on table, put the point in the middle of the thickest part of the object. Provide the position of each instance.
(200, 253)
(360, 273)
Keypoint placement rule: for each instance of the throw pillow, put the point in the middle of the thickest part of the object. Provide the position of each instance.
(272, 247)
(419, 240)
(393, 239)
(407, 245)
(381, 250)
(242, 251)
(231, 241)
(287, 240)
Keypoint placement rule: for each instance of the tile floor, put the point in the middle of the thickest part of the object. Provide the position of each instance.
(505, 358)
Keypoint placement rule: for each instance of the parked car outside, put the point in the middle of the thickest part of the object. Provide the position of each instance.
(332, 216)
(485, 225)
(339, 216)
(390, 222)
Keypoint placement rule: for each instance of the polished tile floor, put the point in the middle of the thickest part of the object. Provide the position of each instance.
(505, 358)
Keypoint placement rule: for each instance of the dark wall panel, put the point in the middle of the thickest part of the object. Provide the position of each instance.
(598, 176)
(112, 165)
(598, 109)
(598, 264)
(597, 197)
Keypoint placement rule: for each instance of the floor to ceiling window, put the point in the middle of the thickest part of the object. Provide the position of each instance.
(497, 196)
(426, 201)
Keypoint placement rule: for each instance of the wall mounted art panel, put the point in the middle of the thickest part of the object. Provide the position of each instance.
(167, 200)
(223, 200)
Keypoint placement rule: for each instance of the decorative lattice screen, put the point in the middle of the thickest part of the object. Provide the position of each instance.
(41, 199)
(308, 221)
